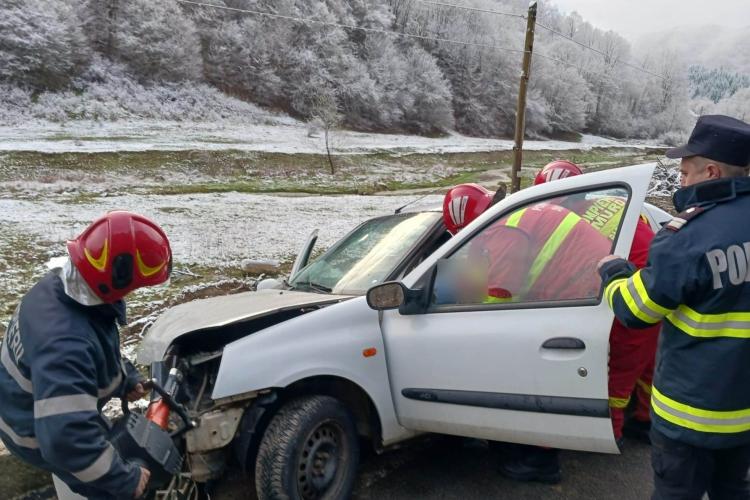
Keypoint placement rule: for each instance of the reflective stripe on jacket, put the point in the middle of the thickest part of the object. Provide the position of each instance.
(697, 280)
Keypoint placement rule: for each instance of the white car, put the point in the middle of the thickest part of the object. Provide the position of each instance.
(288, 380)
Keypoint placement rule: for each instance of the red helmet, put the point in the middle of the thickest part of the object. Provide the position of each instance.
(558, 169)
(119, 252)
(464, 203)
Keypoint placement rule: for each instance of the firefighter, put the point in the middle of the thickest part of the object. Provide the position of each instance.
(61, 357)
(631, 354)
(697, 280)
(464, 203)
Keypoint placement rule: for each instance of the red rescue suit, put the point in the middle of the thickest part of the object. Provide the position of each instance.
(543, 252)
(632, 352)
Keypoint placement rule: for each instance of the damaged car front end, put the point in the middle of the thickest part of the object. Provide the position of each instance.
(250, 366)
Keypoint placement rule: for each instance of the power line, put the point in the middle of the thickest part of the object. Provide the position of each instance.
(624, 63)
(588, 47)
(472, 9)
(429, 38)
(305, 20)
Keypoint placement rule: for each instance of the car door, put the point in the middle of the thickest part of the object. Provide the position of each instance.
(497, 355)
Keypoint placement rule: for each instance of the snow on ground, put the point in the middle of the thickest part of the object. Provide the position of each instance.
(287, 137)
(214, 229)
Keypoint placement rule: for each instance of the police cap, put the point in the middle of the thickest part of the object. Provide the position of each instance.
(717, 137)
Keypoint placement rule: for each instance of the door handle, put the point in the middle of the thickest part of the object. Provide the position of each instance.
(569, 343)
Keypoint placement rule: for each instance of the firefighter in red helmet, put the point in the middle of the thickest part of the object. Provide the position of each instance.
(464, 203)
(558, 169)
(68, 363)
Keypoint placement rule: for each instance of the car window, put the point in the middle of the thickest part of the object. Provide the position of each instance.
(367, 256)
(544, 251)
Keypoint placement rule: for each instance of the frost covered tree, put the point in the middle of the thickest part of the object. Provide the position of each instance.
(461, 75)
(41, 43)
(738, 105)
(241, 62)
(157, 40)
(715, 83)
(99, 19)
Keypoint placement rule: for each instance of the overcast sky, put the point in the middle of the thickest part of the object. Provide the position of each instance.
(633, 18)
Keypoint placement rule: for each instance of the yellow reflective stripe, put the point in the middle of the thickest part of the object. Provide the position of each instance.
(551, 246)
(698, 419)
(614, 286)
(650, 304)
(693, 323)
(637, 299)
(618, 402)
(497, 300)
(644, 386)
(515, 218)
(145, 270)
(100, 263)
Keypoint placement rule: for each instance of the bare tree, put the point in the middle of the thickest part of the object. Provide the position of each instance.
(325, 111)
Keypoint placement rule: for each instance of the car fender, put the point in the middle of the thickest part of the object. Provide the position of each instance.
(342, 340)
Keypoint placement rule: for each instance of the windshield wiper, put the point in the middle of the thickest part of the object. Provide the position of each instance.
(315, 286)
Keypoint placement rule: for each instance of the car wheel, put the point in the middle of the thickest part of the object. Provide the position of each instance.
(309, 451)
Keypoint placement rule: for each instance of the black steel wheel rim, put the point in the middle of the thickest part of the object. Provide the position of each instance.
(320, 460)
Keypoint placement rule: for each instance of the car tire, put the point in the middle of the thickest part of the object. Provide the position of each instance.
(310, 450)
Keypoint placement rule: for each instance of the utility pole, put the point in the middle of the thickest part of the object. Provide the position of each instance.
(515, 184)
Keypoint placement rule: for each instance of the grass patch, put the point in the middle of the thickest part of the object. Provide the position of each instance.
(80, 198)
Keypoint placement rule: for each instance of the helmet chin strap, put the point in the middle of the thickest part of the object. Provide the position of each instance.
(75, 286)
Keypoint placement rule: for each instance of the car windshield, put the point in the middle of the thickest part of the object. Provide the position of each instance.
(367, 256)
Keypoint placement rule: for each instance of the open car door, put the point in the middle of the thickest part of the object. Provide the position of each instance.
(506, 334)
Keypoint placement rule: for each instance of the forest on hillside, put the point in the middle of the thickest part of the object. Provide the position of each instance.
(116, 59)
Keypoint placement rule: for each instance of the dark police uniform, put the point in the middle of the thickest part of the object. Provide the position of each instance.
(697, 281)
(60, 364)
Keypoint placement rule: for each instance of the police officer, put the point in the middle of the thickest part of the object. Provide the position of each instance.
(61, 359)
(698, 281)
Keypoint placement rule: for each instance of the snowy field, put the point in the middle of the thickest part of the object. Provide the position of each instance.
(212, 232)
(288, 136)
(215, 229)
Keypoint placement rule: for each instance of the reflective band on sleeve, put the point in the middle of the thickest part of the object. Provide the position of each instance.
(61, 405)
(13, 370)
(24, 442)
(634, 295)
(655, 308)
(614, 286)
(697, 419)
(498, 300)
(695, 324)
(97, 469)
(515, 218)
(618, 402)
(103, 393)
(550, 248)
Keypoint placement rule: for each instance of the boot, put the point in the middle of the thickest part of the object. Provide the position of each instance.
(532, 463)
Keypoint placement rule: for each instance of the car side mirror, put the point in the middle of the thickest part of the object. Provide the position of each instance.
(394, 295)
(391, 295)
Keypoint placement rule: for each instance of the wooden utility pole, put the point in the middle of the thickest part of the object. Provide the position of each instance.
(515, 183)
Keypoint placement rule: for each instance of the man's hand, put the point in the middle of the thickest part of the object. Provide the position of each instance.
(605, 259)
(142, 482)
(137, 393)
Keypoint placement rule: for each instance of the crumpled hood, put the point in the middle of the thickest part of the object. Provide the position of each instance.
(215, 312)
